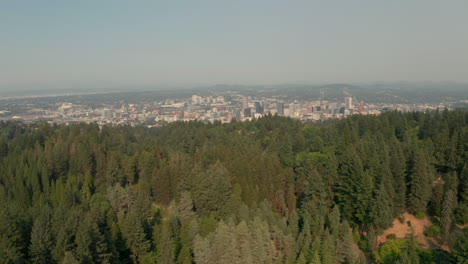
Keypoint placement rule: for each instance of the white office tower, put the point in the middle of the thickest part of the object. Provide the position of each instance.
(349, 102)
(195, 99)
(292, 109)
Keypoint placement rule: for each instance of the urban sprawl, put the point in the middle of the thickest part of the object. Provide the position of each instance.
(210, 109)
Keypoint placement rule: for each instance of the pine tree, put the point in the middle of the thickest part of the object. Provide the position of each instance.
(185, 255)
(329, 249)
(84, 242)
(166, 245)
(397, 167)
(66, 223)
(330, 174)
(293, 224)
(462, 210)
(69, 259)
(334, 219)
(448, 204)
(420, 183)
(10, 239)
(202, 250)
(349, 247)
(223, 247)
(42, 242)
(354, 190)
(371, 239)
(212, 191)
(410, 252)
(262, 246)
(316, 248)
(185, 207)
(134, 235)
(301, 259)
(3, 149)
(316, 259)
(435, 204)
(315, 188)
(244, 243)
(382, 209)
(460, 248)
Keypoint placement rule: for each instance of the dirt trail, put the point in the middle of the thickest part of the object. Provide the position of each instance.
(402, 229)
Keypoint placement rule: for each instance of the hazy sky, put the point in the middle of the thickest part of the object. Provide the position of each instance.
(98, 43)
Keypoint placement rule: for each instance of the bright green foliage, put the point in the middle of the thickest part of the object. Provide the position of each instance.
(433, 231)
(391, 251)
(405, 250)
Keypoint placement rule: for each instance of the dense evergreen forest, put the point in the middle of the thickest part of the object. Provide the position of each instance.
(273, 190)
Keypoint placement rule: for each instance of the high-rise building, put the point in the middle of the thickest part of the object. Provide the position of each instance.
(294, 109)
(361, 107)
(107, 113)
(259, 107)
(280, 108)
(194, 99)
(247, 112)
(246, 102)
(237, 114)
(349, 102)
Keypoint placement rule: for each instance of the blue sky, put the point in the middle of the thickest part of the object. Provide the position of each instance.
(106, 43)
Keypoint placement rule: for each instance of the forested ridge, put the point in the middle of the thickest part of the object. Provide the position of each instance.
(273, 190)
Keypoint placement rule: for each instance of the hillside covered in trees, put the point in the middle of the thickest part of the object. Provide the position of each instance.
(273, 190)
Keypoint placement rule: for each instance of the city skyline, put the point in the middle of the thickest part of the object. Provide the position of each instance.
(219, 106)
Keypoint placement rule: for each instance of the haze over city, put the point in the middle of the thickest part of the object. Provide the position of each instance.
(120, 44)
(219, 132)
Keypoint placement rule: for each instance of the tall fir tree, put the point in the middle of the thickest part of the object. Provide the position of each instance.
(42, 241)
(421, 176)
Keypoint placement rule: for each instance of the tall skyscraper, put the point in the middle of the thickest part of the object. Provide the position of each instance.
(259, 107)
(280, 108)
(292, 109)
(349, 102)
(361, 107)
(247, 112)
(237, 114)
(246, 102)
(195, 99)
(265, 106)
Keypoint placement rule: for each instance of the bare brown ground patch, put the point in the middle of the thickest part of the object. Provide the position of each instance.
(400, 230)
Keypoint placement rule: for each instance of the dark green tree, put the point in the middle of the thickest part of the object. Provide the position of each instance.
(212, 191)
(134, 236)
(460, 248)
(419, 192)
(42, 241)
